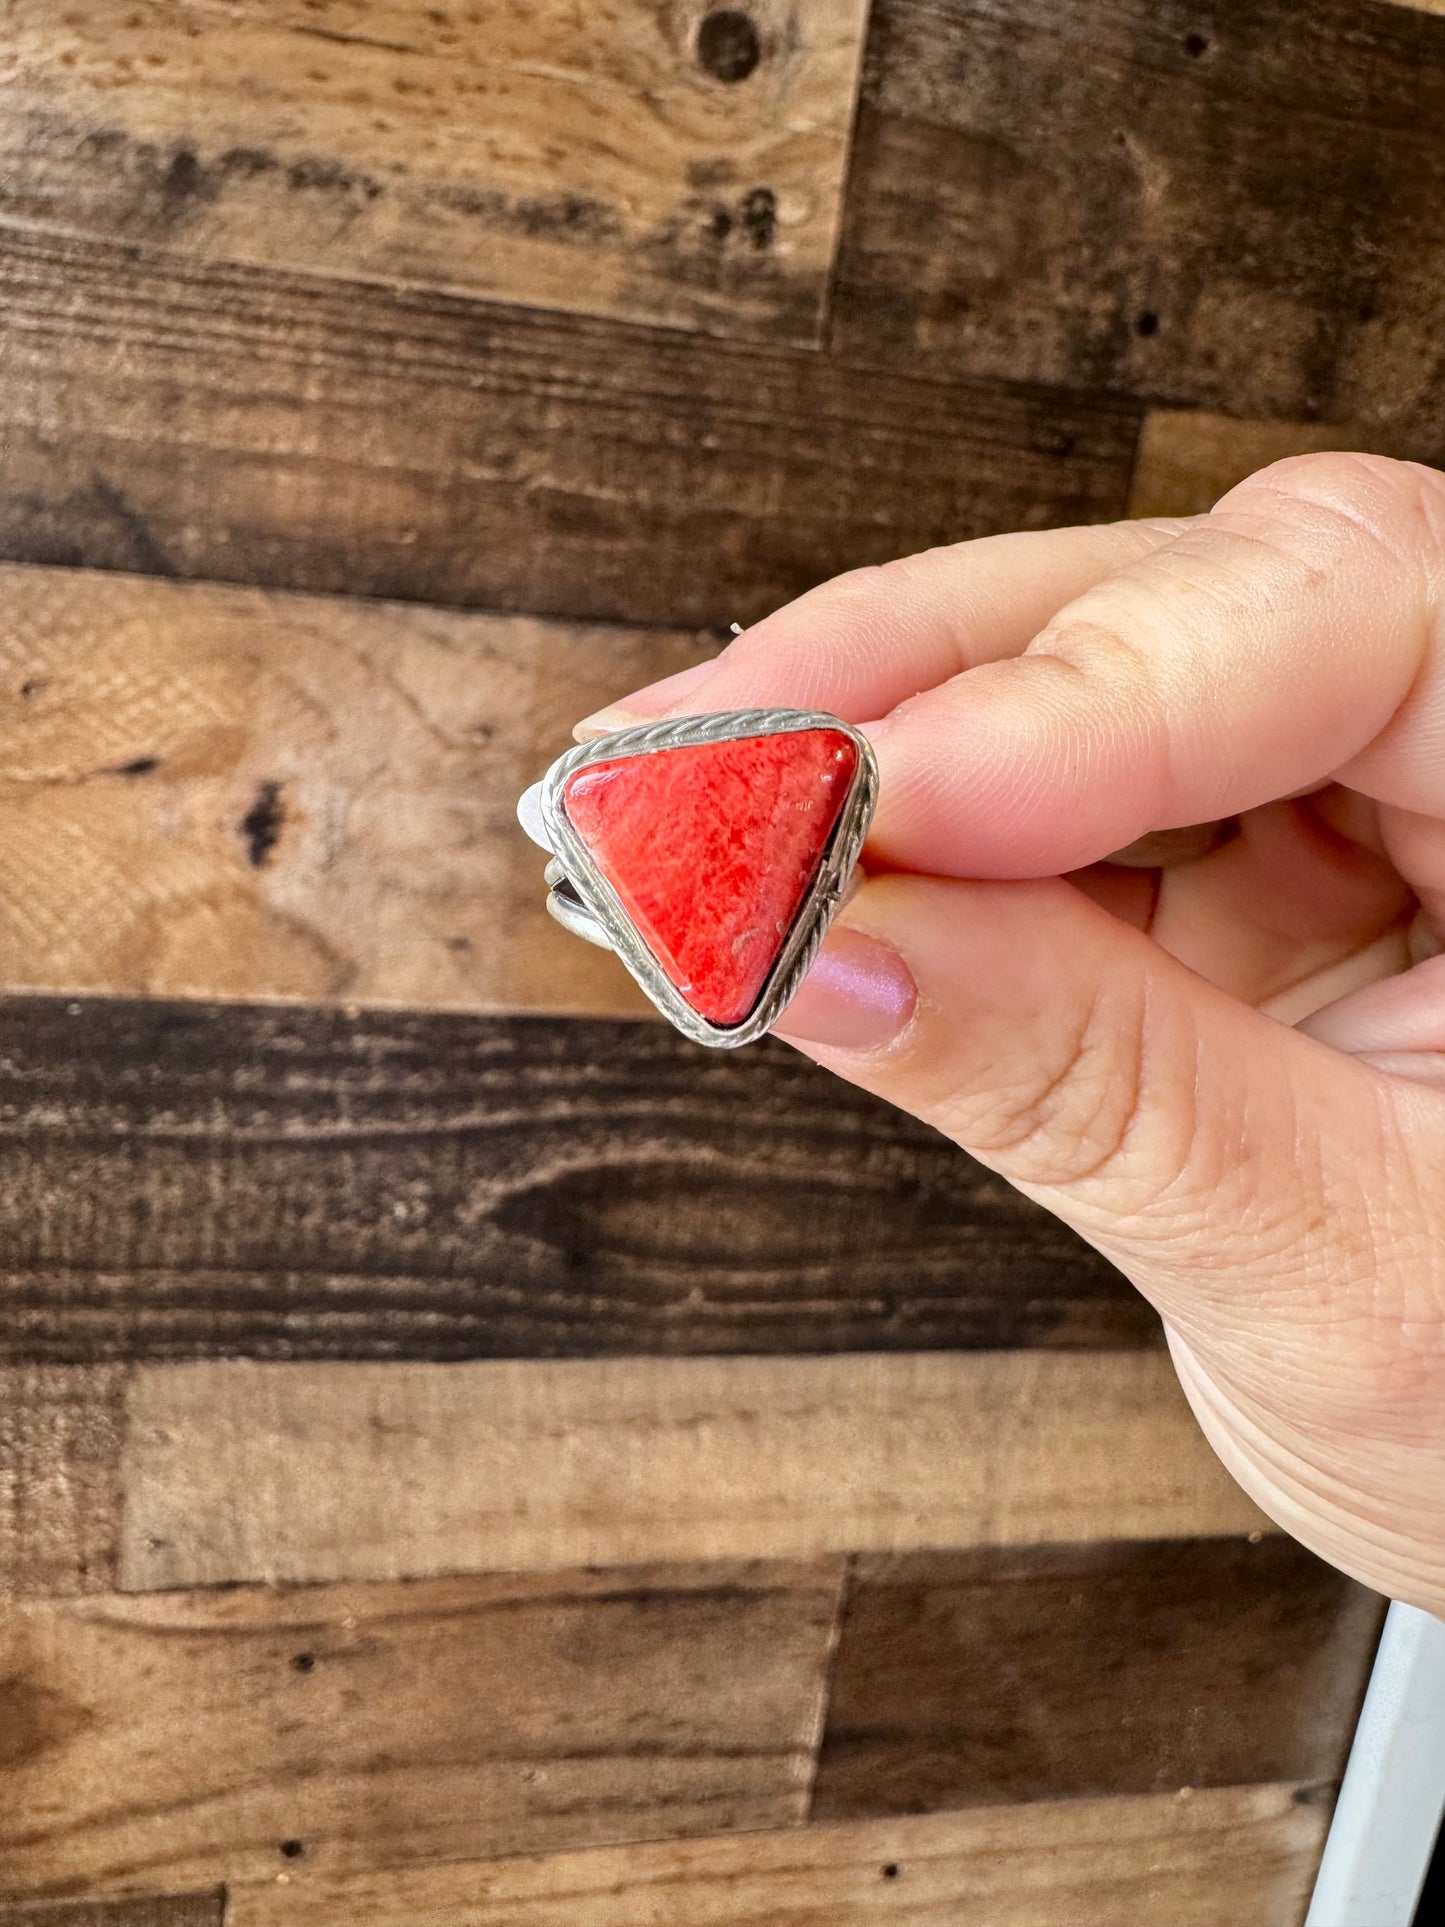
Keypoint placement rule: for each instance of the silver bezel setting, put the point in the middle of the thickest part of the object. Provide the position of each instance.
(584, 902)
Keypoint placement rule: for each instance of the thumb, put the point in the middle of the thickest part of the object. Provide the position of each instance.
(1229, 1165)
(1279, 1200)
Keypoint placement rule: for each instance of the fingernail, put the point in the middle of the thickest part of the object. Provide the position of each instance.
(859, 995)
(646, 705)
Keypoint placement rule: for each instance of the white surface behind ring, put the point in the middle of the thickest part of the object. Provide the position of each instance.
(529, 815)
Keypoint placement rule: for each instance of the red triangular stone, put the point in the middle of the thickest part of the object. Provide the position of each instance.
(711, 850)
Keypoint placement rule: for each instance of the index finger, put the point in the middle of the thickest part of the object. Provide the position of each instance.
(1292, 636)
(862, 643)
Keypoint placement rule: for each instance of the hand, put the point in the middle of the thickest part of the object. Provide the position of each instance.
(1228, 1074)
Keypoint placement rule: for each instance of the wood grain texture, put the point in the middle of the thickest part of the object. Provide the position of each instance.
(221, 1736)
(580, 158)
(1033, 1673)
(222, 792)
(1189, 457)
(198, 420)
(183, 1180)
(60, 1446)
(1222, 205)
(238, 1472)
(205, 1909)
(1230, 1857)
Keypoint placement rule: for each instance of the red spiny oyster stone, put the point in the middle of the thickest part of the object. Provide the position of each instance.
(711, 850)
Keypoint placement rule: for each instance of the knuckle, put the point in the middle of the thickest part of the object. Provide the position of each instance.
(1397, 505)
(1102, 692)
(1109, 644)
(1094, 1114)
(1107, 666)
(1328, 474)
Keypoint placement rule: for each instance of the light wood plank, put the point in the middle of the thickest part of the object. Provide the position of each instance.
(1034, 1672)
(1230, 1857)
(223, 1736)
(289, 1472)
(1189, 457)
(213, 791)
(594, 158)
(60, 1438)
(186, 1179)
(202, 420)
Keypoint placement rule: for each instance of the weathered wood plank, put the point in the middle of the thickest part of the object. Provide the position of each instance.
(142, 1910)
(1245, 1855)
(222, 1736)
(199, 420)
(240, 1472)
(620, 159)
(962, 1679)
(223, 792)
(1206, 202)
(183, 1180)
(1189, 457)
(60, 1445)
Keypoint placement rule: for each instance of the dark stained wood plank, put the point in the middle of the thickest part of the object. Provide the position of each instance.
(187, 1180)
(1241, 1855)
(205, 1909)
(616, 159)
(200, 420)
(211, 791)
(1232, 204)
(60, 1447)
(233, 1735)
(239, 1471)
(1066, 1671)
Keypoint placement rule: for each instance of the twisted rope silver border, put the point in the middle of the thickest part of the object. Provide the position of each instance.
(815, 912)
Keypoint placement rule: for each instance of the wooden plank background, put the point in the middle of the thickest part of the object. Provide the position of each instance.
(285, 1472)
(605, 159)
(1238, 1854)
(465, 1454)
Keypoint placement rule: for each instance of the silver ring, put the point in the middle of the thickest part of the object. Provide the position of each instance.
(584, 900)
